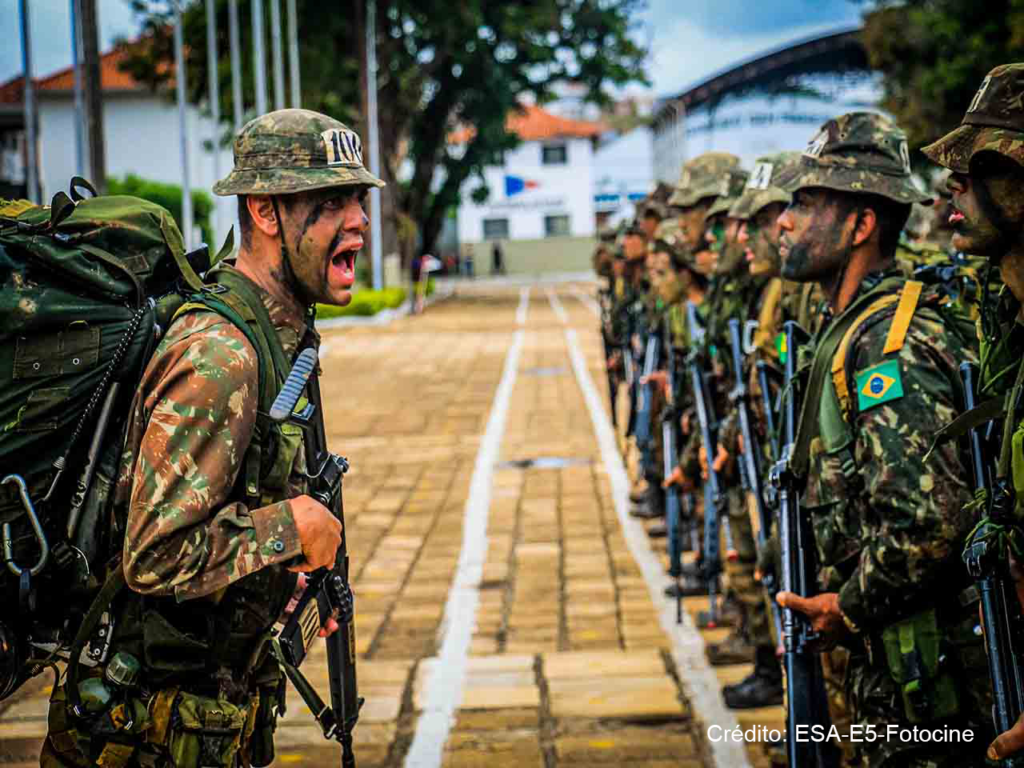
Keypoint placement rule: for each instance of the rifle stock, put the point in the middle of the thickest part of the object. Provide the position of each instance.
(986, 558)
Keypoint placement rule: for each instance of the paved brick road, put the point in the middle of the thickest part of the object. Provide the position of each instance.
(480, 487)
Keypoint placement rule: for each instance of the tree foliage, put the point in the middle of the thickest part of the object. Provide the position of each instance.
(933, 55)
(442, 66)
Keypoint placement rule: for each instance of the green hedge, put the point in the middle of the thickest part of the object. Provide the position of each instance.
(364, 304)
(169, 196)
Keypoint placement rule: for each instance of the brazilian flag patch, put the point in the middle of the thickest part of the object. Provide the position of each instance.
(780, 347)
(879, 384)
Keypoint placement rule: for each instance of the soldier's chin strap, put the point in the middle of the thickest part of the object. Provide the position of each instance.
(286, 259)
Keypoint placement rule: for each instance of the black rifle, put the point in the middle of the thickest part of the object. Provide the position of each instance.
(613, 379)
(673, 511)
(750, 466)
(328, 594)
(714, 500)
(986, 559)
(645, 402)
(806, 702)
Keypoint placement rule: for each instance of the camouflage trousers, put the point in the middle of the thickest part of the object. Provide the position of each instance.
(740, 572)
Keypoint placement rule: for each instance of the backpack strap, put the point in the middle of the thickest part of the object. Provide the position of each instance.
(764, 335)
(906, 302)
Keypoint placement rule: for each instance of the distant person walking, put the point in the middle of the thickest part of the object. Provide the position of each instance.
(497, 260)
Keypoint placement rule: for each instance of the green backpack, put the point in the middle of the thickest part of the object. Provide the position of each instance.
(87, 288)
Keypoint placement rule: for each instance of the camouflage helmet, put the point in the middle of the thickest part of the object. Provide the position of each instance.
(859, 152)
(706, 175)
(668, 238)
(765, 184)
(732, 188)
(994, 122)
(295, 150)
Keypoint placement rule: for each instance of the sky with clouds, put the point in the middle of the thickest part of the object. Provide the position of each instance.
(689, 39)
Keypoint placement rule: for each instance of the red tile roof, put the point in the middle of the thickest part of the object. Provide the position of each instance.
(536, 124)
(111, 78)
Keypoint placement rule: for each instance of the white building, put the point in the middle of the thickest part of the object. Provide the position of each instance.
(141, 135)
(545, 187)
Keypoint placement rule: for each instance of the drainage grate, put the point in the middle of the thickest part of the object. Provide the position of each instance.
(545, 372)
(544, 462)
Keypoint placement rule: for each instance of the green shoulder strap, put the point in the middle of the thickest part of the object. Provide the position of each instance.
(821, 368)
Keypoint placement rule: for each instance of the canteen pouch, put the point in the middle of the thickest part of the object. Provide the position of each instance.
(205, 732)
(260, 744)
(912, 649)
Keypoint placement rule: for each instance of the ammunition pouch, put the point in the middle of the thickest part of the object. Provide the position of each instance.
(206, 732)
(918, 666)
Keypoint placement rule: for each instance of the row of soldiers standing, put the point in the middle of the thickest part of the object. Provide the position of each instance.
(795, 354)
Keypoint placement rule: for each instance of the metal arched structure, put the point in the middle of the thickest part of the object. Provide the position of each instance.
(835, 53)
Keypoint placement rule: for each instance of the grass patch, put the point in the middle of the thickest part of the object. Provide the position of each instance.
(365, 303)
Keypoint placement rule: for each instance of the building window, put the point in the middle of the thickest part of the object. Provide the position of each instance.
(556, 226)
(495, 229)
(554, 154)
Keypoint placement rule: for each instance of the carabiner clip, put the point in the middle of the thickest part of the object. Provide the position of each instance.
(8, 543)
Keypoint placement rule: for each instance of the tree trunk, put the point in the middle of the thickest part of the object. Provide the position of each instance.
(93, 92)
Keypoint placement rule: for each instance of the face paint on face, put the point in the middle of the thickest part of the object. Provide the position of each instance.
(730, 255)
(325, 235)
(691, 223)
(763, 241)
(974, 230)
(815, 243)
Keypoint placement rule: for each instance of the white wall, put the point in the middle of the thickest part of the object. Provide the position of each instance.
(561, 190)
(142, 137)
(624, 166)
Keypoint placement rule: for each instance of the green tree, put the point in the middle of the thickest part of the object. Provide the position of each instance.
(442, 66)
(933, 55)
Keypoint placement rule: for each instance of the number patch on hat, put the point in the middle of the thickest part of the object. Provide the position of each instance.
(761, 178)
(817, 145)
(343, 147)
(976, 101)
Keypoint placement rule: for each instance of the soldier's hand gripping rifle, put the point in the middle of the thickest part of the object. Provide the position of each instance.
(986, 558)
(752, 462)
(714, 500)
(328, 594)
(806, 703)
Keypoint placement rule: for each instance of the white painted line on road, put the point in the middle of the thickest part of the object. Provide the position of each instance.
(443, 690)
(524, 305)
(699, 680)
(587, 300)
(556, 305)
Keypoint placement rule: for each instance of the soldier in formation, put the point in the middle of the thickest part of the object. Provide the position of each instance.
(829, 264)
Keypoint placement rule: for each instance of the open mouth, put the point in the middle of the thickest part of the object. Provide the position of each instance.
(955, 217)
(343, 267)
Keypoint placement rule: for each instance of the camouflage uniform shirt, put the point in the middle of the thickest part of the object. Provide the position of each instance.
(191, 421)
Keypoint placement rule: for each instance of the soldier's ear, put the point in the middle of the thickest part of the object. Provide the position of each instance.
(264, 218)
(864, 226)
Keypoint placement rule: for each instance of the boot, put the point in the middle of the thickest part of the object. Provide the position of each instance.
(761, 688)
(657, 531)
(653, 505)
(729, 616)
(733, 650)
(690, 587)
(638, 493)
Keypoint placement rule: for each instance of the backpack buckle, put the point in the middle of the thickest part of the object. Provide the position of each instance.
(214, 288)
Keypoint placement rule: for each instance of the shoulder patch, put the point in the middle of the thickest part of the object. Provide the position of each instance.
(879, 384)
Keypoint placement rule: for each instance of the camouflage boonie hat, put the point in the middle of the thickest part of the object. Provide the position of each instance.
(295, 150)
(860, 152)
(704, 176)
(994, 122)
(736, 181)
(668, 238)
(765, 184)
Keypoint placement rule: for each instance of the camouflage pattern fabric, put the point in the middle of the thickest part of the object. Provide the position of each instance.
(859, 152)
(707, 175)
(994, 122)
(732, 189)
(191, 422)
(889, 526)
(765, 185)
(295, 150)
